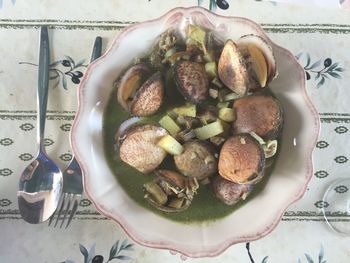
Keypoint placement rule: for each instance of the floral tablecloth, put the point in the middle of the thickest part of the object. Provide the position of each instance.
(318, 37)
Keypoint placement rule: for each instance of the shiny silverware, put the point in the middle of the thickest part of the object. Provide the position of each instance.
(72, 176)
(40, 185)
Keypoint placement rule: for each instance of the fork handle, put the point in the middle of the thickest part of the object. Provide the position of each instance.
(73, 175)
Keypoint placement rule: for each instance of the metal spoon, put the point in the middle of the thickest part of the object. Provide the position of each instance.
(40, 185)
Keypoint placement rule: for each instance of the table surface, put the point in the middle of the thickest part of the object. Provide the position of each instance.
(313, 34)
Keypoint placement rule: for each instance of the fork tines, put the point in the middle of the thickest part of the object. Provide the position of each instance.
(68, 205)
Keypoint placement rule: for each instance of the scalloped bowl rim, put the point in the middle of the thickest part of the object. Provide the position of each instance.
(227, 242)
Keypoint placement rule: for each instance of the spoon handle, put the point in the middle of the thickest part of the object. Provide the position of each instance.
(43, 83)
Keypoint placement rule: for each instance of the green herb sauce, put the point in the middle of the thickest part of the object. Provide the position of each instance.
(205, 206)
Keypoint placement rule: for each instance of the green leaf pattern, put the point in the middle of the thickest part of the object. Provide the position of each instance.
(320, 72)
(114, 253)
(65, 68)
(320, 258)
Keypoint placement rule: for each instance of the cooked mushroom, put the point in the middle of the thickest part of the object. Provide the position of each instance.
(232, 69)
(170, 191)
(261, 114)
(191, 80)
(149, 98)
(138, 97)
(229, 192)
(241, 160)
(197, 160)
(138, 147)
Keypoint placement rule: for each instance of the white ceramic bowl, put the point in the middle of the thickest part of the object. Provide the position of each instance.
(254, 219)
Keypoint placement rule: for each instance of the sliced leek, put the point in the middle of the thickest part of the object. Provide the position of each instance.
(231, 96)
(211, 69)
(170, 125)
(187, 110)
(170, 145)
(227, 114)
(221, 105)
(214, 93)
(209, 130)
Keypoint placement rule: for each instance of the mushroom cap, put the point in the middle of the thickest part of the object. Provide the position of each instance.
(138, 147)
(261, 114)
(191, 80)
(241, 159)
(232, 69)
(149, 98)
(229, 192)
(197, 160)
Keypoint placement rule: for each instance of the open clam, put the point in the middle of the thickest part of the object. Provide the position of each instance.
(260, 60)
(247, 65)
(137, 96)
(170, 191)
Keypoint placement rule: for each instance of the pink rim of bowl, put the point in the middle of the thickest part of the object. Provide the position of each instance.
(207, 19)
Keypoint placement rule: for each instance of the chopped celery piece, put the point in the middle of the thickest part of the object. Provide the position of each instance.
(209, 130)
(187, 110)
(213, 93)
(227, 114)
(217, 82)
(170, 145)
(209, 56)
(231, 96)
(211, 69)
(222, 105)
(155, 192)
(170, 125)
(170, 52)
(197, 34)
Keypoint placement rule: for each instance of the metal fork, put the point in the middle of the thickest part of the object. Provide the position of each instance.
(72, 176)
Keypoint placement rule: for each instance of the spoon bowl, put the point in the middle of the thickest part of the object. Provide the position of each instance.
(40, 188)
(41, 182)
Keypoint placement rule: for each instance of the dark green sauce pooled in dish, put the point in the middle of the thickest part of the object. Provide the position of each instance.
(190, 89)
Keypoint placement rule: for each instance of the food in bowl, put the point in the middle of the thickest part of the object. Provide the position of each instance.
(205, 119)
(208, 226)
